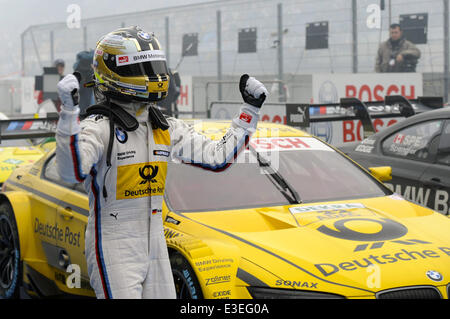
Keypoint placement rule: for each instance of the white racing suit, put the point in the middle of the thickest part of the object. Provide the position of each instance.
(125, 247)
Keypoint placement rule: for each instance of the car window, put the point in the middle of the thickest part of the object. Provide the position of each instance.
(443, 154)
(242, 185)
(51, 173)
(416, 142)
(320, 176)
(317, 175)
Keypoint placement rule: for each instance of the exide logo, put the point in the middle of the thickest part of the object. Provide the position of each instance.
(123, 59)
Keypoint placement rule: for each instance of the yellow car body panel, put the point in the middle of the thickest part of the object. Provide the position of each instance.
(351, 248)
(13, 157)
(46, 225)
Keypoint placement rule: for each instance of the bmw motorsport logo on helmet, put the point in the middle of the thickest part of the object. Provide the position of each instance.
(434, 275)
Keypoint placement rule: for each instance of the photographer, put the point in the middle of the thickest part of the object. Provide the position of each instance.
(397, 54)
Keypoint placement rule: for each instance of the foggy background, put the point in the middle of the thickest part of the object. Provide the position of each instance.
(232, 37)
(17, 15)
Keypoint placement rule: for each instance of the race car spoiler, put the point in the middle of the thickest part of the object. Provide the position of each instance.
(392, 106)
(26, 127)
(352, 108)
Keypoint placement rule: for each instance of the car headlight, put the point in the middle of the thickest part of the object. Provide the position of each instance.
(273, 293)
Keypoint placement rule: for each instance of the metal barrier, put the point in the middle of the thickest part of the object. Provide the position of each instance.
(234, 107)
(281, 32)
(281, 96)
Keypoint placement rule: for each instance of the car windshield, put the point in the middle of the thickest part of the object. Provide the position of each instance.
(317, 175)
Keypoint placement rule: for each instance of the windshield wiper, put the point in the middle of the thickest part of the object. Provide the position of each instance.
(277, 179)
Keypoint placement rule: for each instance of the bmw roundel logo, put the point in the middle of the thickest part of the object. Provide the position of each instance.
(434, 275)
(144, 35)
(121, 135)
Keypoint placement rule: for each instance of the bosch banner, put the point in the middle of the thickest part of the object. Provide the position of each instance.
(329, 88)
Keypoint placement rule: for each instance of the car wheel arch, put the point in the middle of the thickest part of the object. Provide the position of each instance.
(14, 271)
(21, 208)
(198, 250)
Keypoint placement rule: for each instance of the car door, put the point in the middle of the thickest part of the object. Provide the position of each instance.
(45, 196)
(410, 151)
(437, 176)
(71, 217)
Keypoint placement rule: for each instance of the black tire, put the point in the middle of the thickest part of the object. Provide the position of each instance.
(186, 283)
(10, 266)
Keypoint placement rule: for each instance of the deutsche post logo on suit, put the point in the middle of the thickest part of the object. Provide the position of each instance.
(141, 175)
(148, 177)
(141, 180)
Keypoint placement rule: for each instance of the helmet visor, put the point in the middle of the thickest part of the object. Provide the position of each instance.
(124, 65)
(151, 69)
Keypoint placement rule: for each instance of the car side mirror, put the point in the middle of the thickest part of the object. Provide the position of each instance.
(383, 173)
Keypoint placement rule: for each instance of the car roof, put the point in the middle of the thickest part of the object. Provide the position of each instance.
(215, 129)
(429, 115)
(441, 113)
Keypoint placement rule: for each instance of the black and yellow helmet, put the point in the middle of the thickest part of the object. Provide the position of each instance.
(129, 63)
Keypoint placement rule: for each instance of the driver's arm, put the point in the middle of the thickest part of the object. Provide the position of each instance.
(79, 146)
(193, 148)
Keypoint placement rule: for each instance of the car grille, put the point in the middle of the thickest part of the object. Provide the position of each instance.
(410, 293)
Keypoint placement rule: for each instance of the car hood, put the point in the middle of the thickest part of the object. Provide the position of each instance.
(372, 244)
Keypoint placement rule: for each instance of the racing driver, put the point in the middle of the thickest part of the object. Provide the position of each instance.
(121, 150)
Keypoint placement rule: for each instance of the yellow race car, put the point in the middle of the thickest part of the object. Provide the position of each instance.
(21, 153)
(23, 141)
(293, 218)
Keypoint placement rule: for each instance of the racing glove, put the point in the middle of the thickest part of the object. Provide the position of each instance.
(68, 89)
(254, 94)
